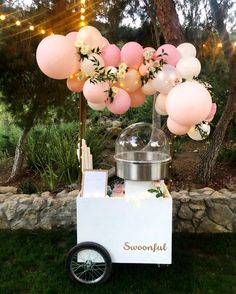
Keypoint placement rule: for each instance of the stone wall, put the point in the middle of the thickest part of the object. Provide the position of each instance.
(195, 211)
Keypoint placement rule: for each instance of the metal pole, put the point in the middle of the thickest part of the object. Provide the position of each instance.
(82, 117)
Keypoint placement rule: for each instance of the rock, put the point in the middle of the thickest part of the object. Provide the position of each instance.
(225, 192)
(63, 193)
(221, 199)
(221, 214)
(208, 226)
(207, 191)
(216, 194)
(184, 199)
(39, 203)
(4, 224)
(7, 189)
(114, 131)
(31, 217)
(197, 205)
(73, 193)
(21, 209)
(199, 214)
(185, 212)
(209, 202)
(184, 226)
(193, 193)
(232, 204)
(185, 192)
(46, 194)
(2, 198)
(10, 209)
(26, 200)
(195, 222)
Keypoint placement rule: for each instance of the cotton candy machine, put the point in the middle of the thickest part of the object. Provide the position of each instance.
(142, 153)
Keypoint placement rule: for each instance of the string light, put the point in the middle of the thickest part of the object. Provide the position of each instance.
(18, 23)
(2, 17)
(204, 45)
(234, 44)
(82, 24)
(31, 28)
(82, 1)
(42, 32)
(82, 10)
(219, 45)
(82, 17)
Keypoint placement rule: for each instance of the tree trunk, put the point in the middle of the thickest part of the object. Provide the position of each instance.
(19, 156)
(169, 22)
(208, 160)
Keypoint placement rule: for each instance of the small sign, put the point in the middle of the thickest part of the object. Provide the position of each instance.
(94, 183)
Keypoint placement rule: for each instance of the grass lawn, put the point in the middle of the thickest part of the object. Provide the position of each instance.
(33, 262)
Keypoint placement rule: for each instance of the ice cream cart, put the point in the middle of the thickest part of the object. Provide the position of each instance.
(134, 228)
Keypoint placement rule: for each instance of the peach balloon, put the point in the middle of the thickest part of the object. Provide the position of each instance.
(121, 102)
(143, 69)
(97, 106)
(132, 54)
(148, 88)
(131, 82)
(72, 36)
(173, 55)
(161, 103)
(111, 55)
(188, 103)
(96, 92)
(137, 98)
(105, 42)
(177, 129)
(161, 112)
(88, 66)
(56, 57)
(75, 85)
(90, 36)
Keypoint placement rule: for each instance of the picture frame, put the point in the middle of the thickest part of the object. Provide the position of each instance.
(94, 183)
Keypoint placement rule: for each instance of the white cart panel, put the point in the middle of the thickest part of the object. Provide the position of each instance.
(132, 231)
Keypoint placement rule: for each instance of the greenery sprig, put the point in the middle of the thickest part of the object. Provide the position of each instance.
(158, 192)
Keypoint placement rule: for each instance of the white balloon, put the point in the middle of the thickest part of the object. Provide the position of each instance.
(187, 50)
(148, 88)
(97, 107)
(189, 67)
(88, 66)
(195, 134)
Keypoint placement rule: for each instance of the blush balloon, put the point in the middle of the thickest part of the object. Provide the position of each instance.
(173, 55)
(105, 42)
(132, 54)
(75, 85)
(90, 36)
(96, 106)
(111, 55)
(56, 57)
(212, 113)
(161, 103)
(188, 103)
(121, 102)
(96, 92)
(72, 36)
(176, 128)
(137, 98)
(148, 88)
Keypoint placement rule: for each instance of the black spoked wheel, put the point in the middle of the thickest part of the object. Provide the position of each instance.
(89, 263)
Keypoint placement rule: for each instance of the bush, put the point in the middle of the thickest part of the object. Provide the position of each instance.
(227, 153)
(9, 135)
(27, 188)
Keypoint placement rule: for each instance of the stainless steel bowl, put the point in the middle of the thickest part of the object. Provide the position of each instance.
(142, 165)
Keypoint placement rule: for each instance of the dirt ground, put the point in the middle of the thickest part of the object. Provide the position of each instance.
(183, 174)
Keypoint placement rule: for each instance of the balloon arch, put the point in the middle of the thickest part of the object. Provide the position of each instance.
(118, 79)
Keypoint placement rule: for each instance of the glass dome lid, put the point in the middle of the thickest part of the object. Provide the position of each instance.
(142, 153)
(142, 143)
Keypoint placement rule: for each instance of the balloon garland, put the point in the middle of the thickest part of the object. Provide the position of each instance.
(118, 79)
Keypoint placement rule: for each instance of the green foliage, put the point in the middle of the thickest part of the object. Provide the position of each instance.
(33, 263)
(9, 135)
(176, 145)
(227, 153)
(52, 151)
(27, 188)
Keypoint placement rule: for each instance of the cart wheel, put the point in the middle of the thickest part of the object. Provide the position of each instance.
(88, 263)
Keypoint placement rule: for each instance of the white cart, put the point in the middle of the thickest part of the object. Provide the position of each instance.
(119, 230)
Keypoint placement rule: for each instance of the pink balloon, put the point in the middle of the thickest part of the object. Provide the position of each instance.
(144, 68)
(173, 55)
(75, 85)
(176, 128)
(212, 113)
(90, 36)
(111, 55)
(72, 36)
(96, 92)
(56, 57)
(121, 102)
(188, 103)
(132, 54)
(137, 98)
